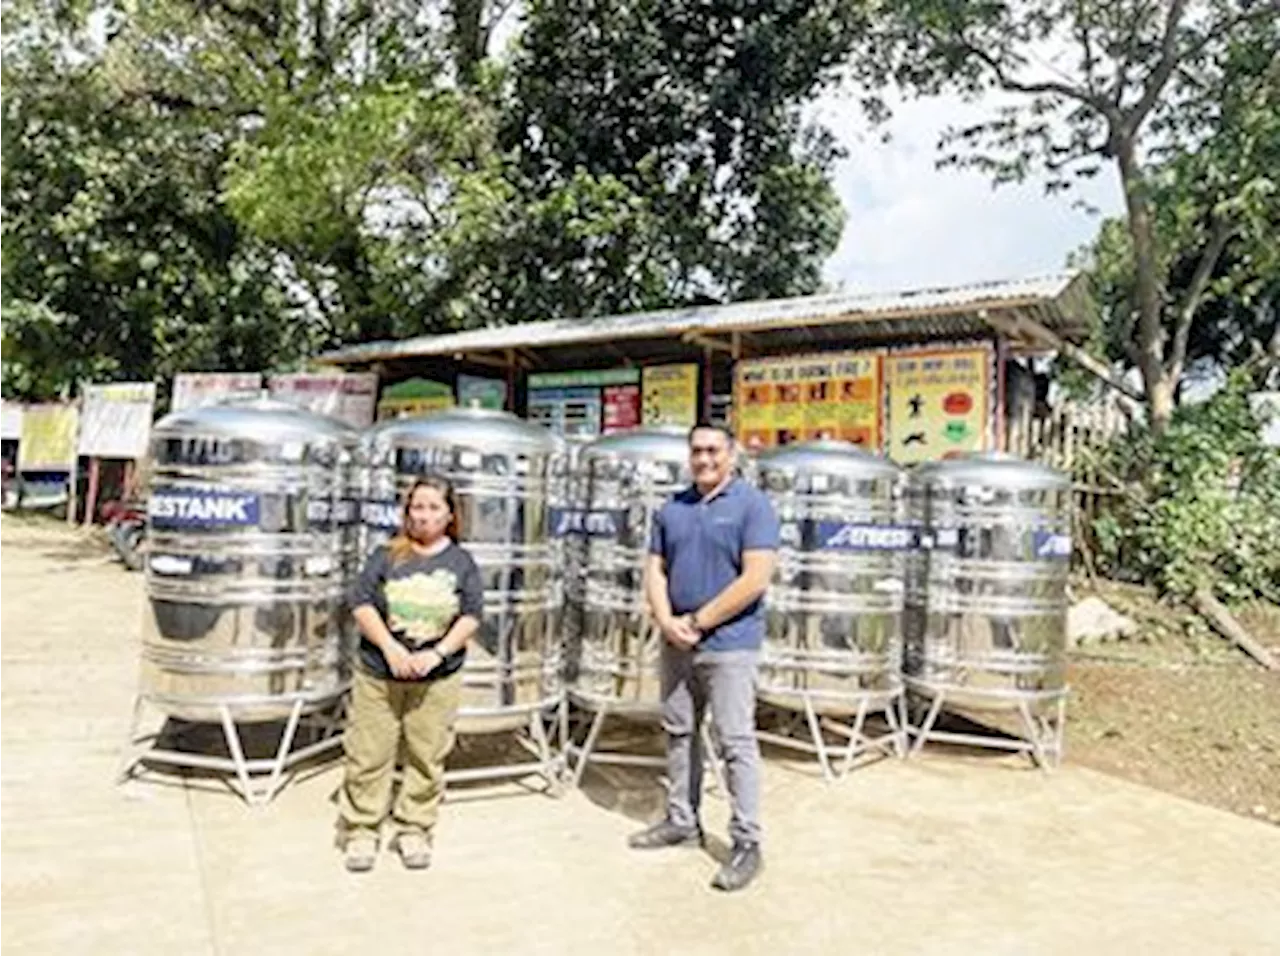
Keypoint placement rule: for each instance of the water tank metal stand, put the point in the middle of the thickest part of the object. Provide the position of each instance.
(1042, 716)
(546, 764)
(258, 780)
(579, 755)
(856, 741)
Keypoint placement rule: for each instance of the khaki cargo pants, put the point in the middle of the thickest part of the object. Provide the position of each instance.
(384, 715)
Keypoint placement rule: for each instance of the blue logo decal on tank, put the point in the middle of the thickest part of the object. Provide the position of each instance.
(1050, 545)
(564, 522)
(603, 524)
(839, 536)
(321, 510)
(567, 522)
(196, 508)
(380, 514)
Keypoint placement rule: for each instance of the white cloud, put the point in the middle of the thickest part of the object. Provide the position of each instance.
(911, 225)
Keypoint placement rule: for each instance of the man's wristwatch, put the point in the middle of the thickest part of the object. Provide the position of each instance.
(692, 621)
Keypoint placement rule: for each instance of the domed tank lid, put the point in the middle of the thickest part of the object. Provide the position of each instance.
(656, 442)
(257, 419)
(482, 429)
(995, 469)
(828, 457)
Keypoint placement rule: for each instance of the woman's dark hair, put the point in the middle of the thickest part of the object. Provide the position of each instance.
(400, 548)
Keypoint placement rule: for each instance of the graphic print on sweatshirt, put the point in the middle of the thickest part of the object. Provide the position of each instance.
(423, 605)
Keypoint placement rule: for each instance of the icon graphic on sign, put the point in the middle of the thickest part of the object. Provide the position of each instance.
(916, 404)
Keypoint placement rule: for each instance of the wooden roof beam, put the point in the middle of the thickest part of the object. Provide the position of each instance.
(1023, 328)
(479, 358)
(707, 342)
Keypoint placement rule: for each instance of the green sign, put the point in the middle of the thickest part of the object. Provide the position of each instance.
(609, 376)
(418, 388)
(481, 392)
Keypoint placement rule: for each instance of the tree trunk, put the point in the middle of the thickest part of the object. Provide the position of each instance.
(1150, 325)
(1160, 401)
(1225, 622)
(470, 38)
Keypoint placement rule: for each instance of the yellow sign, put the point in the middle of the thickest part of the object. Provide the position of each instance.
(939, 403)
(48, 440)
(413, 407)
(836, 396)
(670, 395)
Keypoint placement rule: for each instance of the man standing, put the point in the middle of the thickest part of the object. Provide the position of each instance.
(711, 557)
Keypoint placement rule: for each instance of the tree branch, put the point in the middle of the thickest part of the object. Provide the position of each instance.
(1047, 87)
(1084, 33)
(1163, 69)
(1218, 236)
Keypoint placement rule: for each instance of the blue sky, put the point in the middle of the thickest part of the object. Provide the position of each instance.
(910, 225)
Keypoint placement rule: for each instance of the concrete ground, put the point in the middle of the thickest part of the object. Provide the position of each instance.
(939, 855)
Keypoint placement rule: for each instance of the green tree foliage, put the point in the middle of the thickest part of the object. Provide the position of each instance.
(235, 185)
(119, 263)
(677, 122)
(1203, 502)
(1179, 97)
(1237, 324)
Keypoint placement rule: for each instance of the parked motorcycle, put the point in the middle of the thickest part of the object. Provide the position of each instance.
(127, 529)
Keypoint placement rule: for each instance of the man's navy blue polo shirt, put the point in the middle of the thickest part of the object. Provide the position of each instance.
(702, 543)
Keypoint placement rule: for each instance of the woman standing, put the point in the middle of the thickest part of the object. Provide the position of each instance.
(417, 604)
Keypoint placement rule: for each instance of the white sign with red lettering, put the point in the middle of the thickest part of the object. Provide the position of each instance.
(193, 389)
(350, 398)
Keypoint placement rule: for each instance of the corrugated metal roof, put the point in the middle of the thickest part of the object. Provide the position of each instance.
(1049, 293)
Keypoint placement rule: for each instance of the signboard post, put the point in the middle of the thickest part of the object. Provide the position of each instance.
(11, 421)
(193, 389)
(783, 400)
(115, 422)
(939, 402)
(48, 438)
(671, 395)
(48, 444)
(415, 396)
(480, 392)
(347, 397)
(574, 403)
(621, 407)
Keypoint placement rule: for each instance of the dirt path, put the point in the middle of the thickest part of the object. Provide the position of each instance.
(938, 855)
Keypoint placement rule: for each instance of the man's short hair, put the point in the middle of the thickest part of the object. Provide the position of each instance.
(712, 426)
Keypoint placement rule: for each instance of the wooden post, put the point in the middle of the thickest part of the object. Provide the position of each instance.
(705, 412)
(1002, 398)
(512, 367)
(71, 489)
(91, 496)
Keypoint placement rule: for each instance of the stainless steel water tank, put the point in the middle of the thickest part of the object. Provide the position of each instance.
(250, 535)
(629, 476)
(498, 466)
(988, 593)
(834, 635)
(566, 506)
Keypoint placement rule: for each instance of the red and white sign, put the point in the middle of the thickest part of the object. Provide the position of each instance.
(621, 407)
(350, 398)
(193, 389)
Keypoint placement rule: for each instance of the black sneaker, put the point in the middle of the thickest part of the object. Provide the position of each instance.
(665, 834)
(741, 868)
